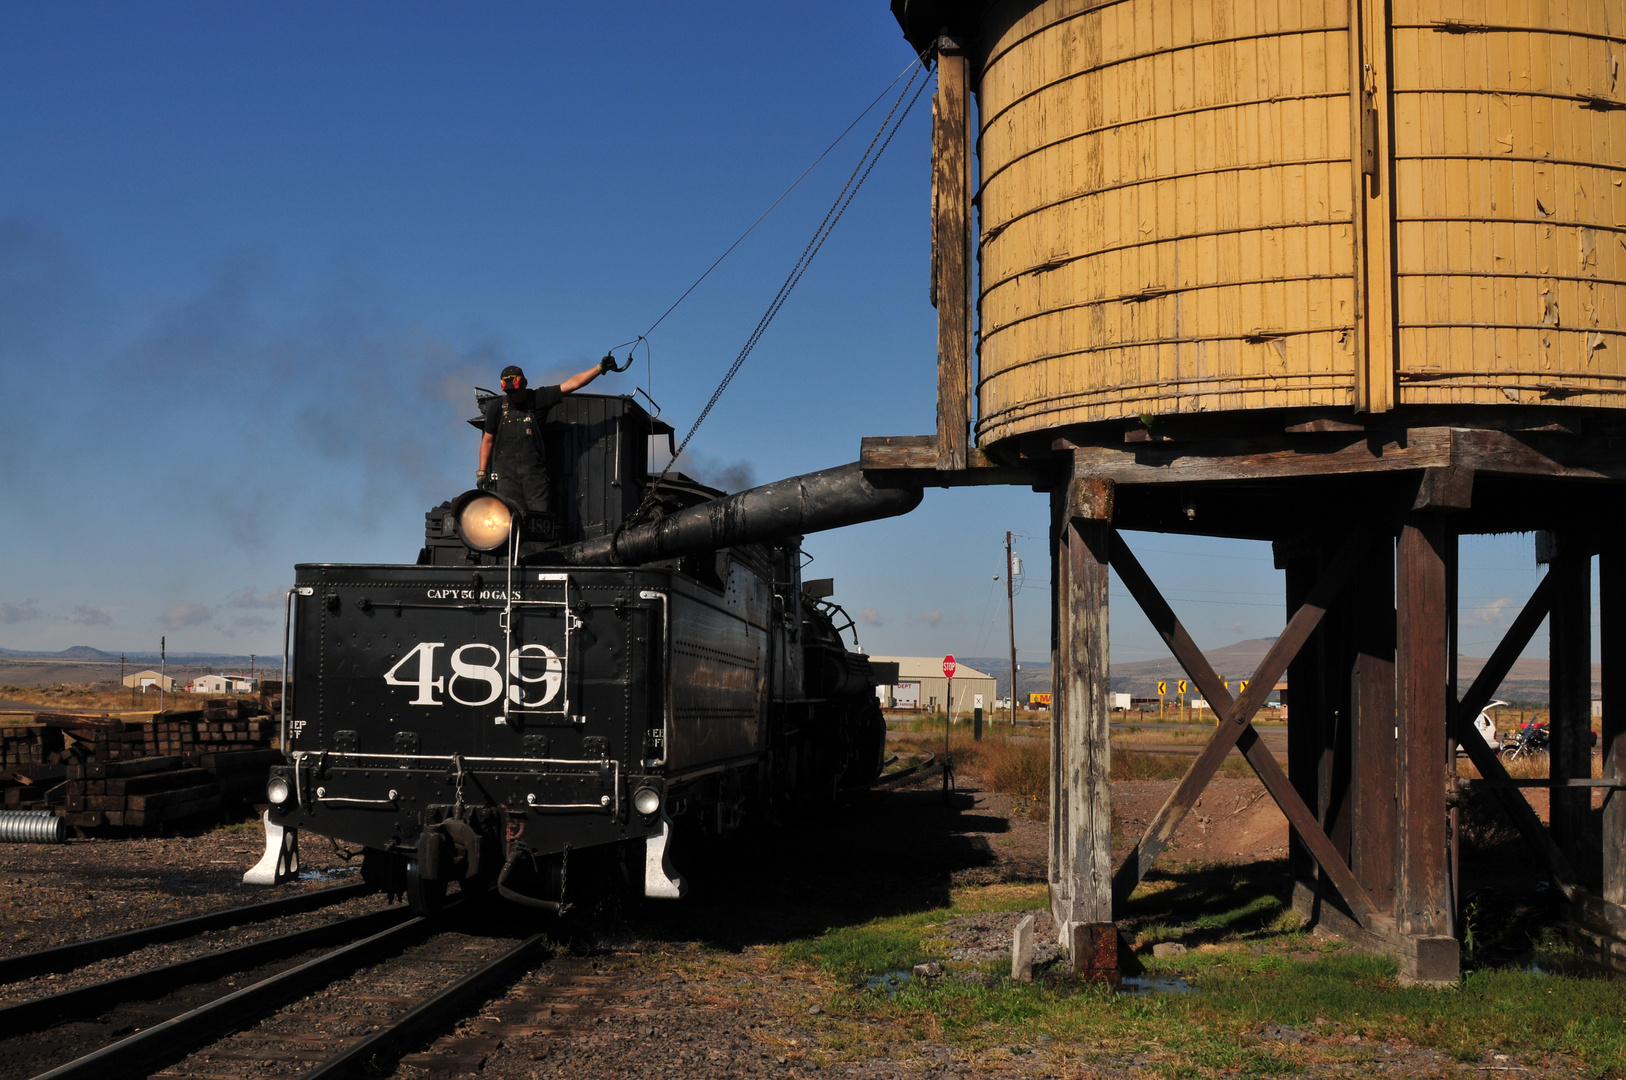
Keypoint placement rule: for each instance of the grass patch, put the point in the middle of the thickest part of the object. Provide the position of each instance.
(1252, 966)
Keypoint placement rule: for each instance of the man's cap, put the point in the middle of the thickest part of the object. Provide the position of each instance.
(512, 369)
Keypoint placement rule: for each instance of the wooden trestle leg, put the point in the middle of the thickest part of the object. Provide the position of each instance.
(1422, 887)
(1080, 777)
(1569, 636)
(1597, 920)
(1372, 728)
(1612, 651)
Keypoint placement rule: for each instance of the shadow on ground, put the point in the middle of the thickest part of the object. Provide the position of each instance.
(878, 853)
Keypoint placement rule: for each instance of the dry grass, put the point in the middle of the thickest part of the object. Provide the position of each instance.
(1021, 766)
(1130, 764)
(97, 698)
(1136, 733)
(1527, 767)
(1016, 768)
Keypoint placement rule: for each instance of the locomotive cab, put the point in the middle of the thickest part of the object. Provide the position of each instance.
(495, 716)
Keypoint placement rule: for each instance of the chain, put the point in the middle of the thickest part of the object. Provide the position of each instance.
(564, 879)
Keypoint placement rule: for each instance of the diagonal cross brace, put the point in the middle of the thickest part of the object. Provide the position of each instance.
(1490, 767)
(1237, 727)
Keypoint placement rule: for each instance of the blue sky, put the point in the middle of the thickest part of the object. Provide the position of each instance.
(254, 257)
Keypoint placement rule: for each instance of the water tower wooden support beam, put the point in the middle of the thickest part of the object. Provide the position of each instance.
(1080, 731)
(1365, 523)
(952, 258)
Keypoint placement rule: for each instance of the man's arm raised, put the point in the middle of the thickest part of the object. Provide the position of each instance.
(576, 382)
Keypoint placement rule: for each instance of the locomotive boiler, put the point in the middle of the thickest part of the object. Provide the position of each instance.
(539, 702)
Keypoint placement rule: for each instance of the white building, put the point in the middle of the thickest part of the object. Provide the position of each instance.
(222, 684)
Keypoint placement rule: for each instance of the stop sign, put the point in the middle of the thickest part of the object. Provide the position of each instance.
(949, 666)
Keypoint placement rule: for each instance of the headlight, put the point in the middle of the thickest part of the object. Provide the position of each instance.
(646, 800)
(277, 791)
(484, 523)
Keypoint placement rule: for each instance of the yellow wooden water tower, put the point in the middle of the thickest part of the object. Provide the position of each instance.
(1345, 275)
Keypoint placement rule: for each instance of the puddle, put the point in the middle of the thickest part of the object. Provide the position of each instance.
(889, 983)
(1140, 985)
(328, 874)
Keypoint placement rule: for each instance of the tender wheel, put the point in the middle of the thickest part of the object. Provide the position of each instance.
(425, 898)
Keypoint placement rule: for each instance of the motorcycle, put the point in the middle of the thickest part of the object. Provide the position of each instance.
(1532, 738)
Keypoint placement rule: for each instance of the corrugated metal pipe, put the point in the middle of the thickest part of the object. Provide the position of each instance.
(795, 507)
(31, 827)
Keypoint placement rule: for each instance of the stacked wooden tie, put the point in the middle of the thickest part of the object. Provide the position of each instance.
(34, 758)
(145, 792)
(107, 771)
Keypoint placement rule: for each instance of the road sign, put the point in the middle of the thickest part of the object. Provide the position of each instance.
(1162, 687)
(949, 666)
(1182, 685)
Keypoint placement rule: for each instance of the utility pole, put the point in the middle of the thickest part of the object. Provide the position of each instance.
(1010, 614)
(121, 675)
(160, 673)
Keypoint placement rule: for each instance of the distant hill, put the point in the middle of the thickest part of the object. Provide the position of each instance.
(83, 664)
(87, 654)
(84, 652)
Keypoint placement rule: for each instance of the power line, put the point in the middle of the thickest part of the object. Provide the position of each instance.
(844, 198)
(760, 217)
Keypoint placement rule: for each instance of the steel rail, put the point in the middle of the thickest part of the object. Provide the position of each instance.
(374, 1054)
(66, 957)
(908, 770)
(172, 1039)
(38, 1013)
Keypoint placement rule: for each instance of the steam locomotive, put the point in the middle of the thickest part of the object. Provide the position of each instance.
(539, 702)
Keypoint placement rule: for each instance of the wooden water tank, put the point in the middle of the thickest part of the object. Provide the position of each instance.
(1192, 206)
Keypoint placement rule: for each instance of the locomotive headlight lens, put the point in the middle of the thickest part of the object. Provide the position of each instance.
(277, 791)
(485, 523)
(646, 800)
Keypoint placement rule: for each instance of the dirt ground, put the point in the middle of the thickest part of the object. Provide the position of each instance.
(696, 988)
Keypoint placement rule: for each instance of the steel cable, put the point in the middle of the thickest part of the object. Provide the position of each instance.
(872, 154)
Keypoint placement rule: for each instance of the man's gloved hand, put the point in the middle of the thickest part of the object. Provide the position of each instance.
(607, 364)
(482, 480)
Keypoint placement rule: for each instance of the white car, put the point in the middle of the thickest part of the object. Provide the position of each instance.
(1487, 727)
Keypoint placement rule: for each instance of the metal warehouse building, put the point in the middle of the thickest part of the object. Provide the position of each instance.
(921, 685)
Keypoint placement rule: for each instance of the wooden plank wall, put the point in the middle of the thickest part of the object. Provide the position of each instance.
(1169, 222)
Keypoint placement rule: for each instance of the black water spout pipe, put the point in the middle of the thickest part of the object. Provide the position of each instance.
(794, 507)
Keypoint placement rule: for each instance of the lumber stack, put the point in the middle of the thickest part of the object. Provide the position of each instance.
(33, 757)
(31, 788)
(220, 725)
(271, 696)
(151, 791)
(139, 773)
(25, 745)
(145, 791)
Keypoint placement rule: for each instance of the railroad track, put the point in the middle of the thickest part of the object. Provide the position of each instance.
(365, 990)
(78, 953)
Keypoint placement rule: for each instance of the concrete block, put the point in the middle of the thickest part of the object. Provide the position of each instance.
(1022, 951)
